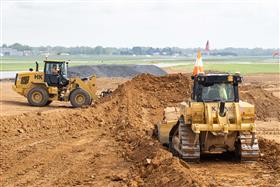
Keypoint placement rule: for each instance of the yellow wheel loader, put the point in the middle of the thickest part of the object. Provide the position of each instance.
(214, 121)
(41, 88)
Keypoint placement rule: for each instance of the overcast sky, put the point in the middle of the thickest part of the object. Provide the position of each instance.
(127, 23)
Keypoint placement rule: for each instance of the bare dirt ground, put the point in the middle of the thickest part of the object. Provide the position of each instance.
(113, 142)
(12, 103)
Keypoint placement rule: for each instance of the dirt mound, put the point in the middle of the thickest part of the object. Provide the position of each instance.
(109, 144)
(271, 153)
(115, 70)
(267, 105)
(143, 100)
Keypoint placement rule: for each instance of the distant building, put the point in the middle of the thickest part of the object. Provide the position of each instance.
(27, 53)
(156, 53)
(5, 51)
(63, 54)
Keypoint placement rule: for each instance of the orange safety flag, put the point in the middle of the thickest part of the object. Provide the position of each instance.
(198, 66)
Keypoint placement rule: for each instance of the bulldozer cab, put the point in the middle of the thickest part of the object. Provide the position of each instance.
(56, 73)
(216, 87)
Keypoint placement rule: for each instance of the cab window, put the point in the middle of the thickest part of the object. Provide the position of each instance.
(56, 69)
(52, 68)
(218, 92)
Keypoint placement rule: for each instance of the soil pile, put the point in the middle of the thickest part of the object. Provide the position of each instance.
(115, 70)
(110, 144)
(271, 153)
(140, 103)
(266, 104)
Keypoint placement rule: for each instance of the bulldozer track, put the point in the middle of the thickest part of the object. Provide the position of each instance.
(188, 150)
(249, 150)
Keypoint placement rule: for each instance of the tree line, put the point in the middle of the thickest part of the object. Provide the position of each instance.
(138, 50)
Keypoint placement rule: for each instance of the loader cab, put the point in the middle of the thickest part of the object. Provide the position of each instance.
(216, 87)
(56, 73)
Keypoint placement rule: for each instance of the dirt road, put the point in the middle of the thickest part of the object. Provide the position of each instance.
(113, 143)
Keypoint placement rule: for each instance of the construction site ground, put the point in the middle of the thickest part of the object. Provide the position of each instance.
(113, 142)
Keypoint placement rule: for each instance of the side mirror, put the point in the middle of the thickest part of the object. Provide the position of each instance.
(30, 69)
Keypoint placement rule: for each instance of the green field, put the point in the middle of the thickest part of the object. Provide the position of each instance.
(24, 63)
(232, 68)
(244, 65)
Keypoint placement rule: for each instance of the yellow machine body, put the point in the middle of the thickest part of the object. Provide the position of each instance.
(214, 121)
(26, 81)
(205, 117)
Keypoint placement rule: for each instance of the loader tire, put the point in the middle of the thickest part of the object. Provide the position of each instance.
(80, 97)
(38, 96)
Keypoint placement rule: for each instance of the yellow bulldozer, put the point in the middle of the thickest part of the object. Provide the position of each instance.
(213, 121)
(53, 84)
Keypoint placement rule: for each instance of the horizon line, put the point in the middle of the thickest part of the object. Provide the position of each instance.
(66, 46)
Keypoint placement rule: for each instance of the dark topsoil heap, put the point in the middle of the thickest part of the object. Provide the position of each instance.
(106, 70)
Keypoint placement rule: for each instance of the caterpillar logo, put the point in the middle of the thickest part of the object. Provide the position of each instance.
(38, 77)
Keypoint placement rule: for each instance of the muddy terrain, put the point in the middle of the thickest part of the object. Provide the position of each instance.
(113, 142)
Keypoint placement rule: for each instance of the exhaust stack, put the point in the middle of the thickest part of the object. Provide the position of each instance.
(37, 66)
(222, 111)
